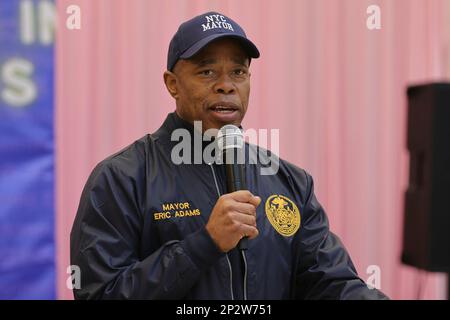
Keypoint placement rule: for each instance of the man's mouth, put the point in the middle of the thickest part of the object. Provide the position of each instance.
(224, 107)
(225, 112)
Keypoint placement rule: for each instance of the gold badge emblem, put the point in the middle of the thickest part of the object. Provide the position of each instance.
(283, 215)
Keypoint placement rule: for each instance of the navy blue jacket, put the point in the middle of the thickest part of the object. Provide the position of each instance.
(140, 233)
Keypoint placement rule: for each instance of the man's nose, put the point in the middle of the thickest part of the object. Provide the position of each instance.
(224, 85)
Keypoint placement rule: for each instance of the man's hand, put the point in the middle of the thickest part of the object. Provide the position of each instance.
(233, 217)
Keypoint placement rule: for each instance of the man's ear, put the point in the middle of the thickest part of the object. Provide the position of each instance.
(170, 79)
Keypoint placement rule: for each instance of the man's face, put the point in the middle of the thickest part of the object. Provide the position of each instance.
(213, 86)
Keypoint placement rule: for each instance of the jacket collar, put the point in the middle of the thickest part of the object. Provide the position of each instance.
(173, 122)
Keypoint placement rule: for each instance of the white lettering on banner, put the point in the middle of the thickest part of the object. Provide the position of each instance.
(27, 22)
(46, 18)
(19, 90)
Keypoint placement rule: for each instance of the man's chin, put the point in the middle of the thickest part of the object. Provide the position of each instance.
(218, 125)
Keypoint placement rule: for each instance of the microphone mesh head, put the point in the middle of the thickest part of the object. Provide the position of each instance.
(229, 137)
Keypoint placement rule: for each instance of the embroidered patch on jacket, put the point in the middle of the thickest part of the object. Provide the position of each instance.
(283, 214)
(176, 210)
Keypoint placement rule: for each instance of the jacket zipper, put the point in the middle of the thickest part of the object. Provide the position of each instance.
(228, 259)
(242, 252)
(245, 274)
(231, 277)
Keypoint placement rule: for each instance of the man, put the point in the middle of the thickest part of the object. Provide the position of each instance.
(148, 228)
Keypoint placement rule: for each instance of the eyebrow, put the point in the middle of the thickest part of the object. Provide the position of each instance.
(205, 62)
(241, 61)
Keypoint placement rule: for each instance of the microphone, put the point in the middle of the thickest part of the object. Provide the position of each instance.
(230, 142)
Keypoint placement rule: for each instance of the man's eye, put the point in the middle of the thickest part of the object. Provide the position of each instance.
(239, 72)
(206, 72)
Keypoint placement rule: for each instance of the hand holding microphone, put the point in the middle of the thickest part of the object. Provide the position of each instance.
(233, 219)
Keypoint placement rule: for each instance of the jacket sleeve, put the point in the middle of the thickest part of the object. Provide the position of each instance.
(105, 245)
(325, 269)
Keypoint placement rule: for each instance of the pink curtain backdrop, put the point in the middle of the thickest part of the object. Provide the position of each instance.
(335, 89)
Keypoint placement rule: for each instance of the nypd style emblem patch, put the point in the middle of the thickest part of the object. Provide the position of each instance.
(283, 215)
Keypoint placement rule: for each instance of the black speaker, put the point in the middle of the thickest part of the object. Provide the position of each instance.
(426, 233)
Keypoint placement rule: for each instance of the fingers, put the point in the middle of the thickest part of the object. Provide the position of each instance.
(233, 217)
(241, 195)
(245, 208)
(245, 196)
(246, 219)
(255, 201)
(249, 231)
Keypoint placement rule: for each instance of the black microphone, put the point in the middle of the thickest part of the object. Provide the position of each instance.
(231, 144)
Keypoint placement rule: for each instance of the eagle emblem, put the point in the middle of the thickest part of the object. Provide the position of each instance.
(283, 215)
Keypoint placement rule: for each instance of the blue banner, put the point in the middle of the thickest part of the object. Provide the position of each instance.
(27, 240)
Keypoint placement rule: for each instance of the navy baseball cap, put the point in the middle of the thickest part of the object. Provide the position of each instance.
(198, 32)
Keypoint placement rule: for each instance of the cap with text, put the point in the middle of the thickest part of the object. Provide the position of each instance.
(195, 34)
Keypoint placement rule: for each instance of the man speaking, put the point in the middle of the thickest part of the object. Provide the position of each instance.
(148, 227)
